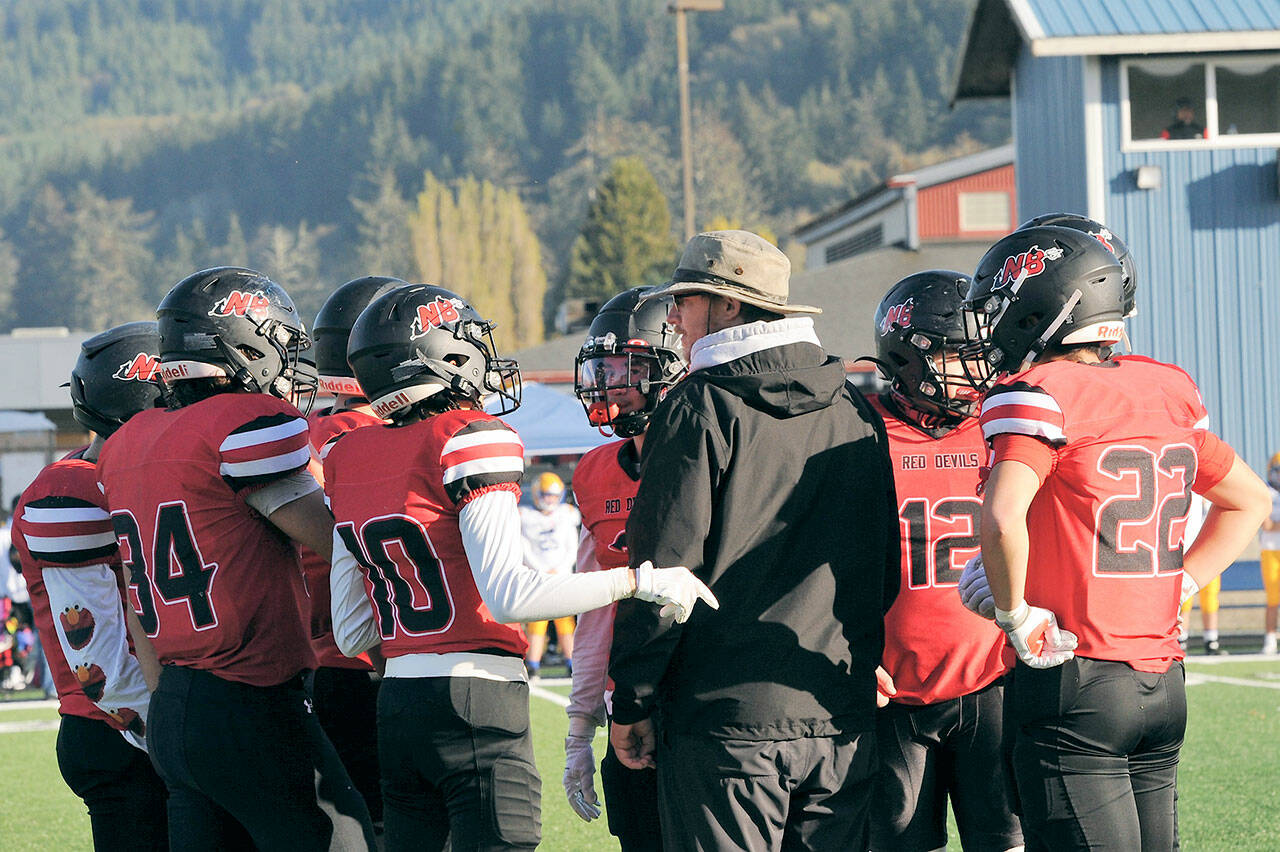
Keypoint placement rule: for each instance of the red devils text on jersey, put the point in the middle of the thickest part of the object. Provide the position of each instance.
(604, 487)
(1129, 443)
(396, 493)
(215, 585)
(323, 428)
(60, 524)
(934, 648)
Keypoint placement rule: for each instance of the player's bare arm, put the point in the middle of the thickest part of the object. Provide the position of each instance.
(1238, 505)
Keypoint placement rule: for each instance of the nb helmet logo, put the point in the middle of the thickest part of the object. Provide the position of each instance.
(142, 368)
(1028, 264)
(1105, 237)
(898, 316)
(238, 303)
(433, 315)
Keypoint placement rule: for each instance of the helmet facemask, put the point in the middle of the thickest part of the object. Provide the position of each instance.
(608, 378)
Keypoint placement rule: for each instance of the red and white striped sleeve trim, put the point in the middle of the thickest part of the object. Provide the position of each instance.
(265, 448)
(66, 531)
(1022, 409)
(482, 454)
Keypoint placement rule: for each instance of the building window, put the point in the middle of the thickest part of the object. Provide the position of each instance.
(858, 243)
(984, 211)
(1211, 102)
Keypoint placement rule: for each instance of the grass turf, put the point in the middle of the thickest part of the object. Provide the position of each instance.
(1228, 795)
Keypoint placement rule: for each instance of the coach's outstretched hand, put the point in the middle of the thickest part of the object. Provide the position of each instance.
(975, 592)
(1035, 636)
(676, 590)
(634, 744)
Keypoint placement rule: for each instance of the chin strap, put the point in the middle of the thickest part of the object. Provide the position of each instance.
(1043, 340)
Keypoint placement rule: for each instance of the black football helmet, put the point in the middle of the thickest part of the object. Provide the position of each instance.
(236, 323)
(919, 326)
(1036, 288)
(630, 346)
(1108, 238)
(333, 326)
(115, 376)
(418, 341)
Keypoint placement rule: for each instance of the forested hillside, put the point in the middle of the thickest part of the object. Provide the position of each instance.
(140, 139)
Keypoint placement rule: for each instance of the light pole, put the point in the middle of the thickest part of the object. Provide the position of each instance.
(678, 8)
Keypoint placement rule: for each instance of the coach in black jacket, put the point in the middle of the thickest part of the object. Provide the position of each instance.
(767, 475)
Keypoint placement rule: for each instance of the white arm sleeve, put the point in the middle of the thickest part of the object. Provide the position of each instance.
(490, 526)
(355, 630)
(282, 492)
(88, 616)
(591, 642)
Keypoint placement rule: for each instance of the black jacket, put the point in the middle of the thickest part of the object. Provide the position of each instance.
(769, 477)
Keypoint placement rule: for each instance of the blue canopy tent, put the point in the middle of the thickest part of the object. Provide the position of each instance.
(552, 423)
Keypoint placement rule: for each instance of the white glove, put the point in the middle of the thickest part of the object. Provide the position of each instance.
(580, 768)
(1190, 588)
(975, 593)
(1035, 636)
(676, 590)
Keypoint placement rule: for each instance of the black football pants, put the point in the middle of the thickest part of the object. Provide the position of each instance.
(930, 751)
(125, 796)
(244, 764)
(346, 703)
(1095, 754)
(457, 756)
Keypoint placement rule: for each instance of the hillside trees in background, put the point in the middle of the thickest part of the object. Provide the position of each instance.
(475, 239)
(626, 239)
(8, 281)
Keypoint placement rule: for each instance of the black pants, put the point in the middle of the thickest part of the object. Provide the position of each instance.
(928, 752)
(346, 703)
(243, 764)
(803, 794)
(125, 796)
(1095, 754)
(457, 756)
(631, 804)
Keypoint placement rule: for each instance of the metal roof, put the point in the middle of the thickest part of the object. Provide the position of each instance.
(1101, 28)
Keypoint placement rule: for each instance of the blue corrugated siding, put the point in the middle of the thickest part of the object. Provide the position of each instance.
(1207, 245)
(1048, 122)
(1061, 18)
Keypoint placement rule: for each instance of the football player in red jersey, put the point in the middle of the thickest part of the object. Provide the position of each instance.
(428, 532)
(632, 355)
(940, 733)
(62, 531)
(344, 690)
(1094, 460)
(205, 499)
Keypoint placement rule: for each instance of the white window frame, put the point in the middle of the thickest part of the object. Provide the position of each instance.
(1213, 140)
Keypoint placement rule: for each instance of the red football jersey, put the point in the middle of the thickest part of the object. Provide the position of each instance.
(215, 585)
(324, 427)
(604, 491)
(1106, 527)
(61, 522)
(934, 648)
(396, 492)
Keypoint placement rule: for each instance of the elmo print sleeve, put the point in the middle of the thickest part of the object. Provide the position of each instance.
(1019, 408)
(266, 448)
(482, 455)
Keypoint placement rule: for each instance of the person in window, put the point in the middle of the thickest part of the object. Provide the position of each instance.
(1184, 124)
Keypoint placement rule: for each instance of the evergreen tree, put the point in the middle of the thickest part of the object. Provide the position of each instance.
(292, 258)
(384, 247)
(8, 283)
(109, 258)
(626, 239)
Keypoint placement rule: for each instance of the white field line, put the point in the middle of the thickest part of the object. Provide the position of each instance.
(1195, 679)
(27, 727)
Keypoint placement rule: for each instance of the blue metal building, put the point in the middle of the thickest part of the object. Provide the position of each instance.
(1160, 118)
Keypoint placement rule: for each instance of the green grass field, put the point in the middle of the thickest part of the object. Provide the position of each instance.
(1229, 781)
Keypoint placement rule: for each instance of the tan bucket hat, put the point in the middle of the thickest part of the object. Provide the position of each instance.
(738, 265)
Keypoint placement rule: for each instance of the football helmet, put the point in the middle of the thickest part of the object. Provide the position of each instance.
(234, 323)
(919, 328)
(548, 491)
(333, 326)
(1108, 238)
(629, 346)
(419, 341)
(115, 376)
(1035, 288)
(1273, 472)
